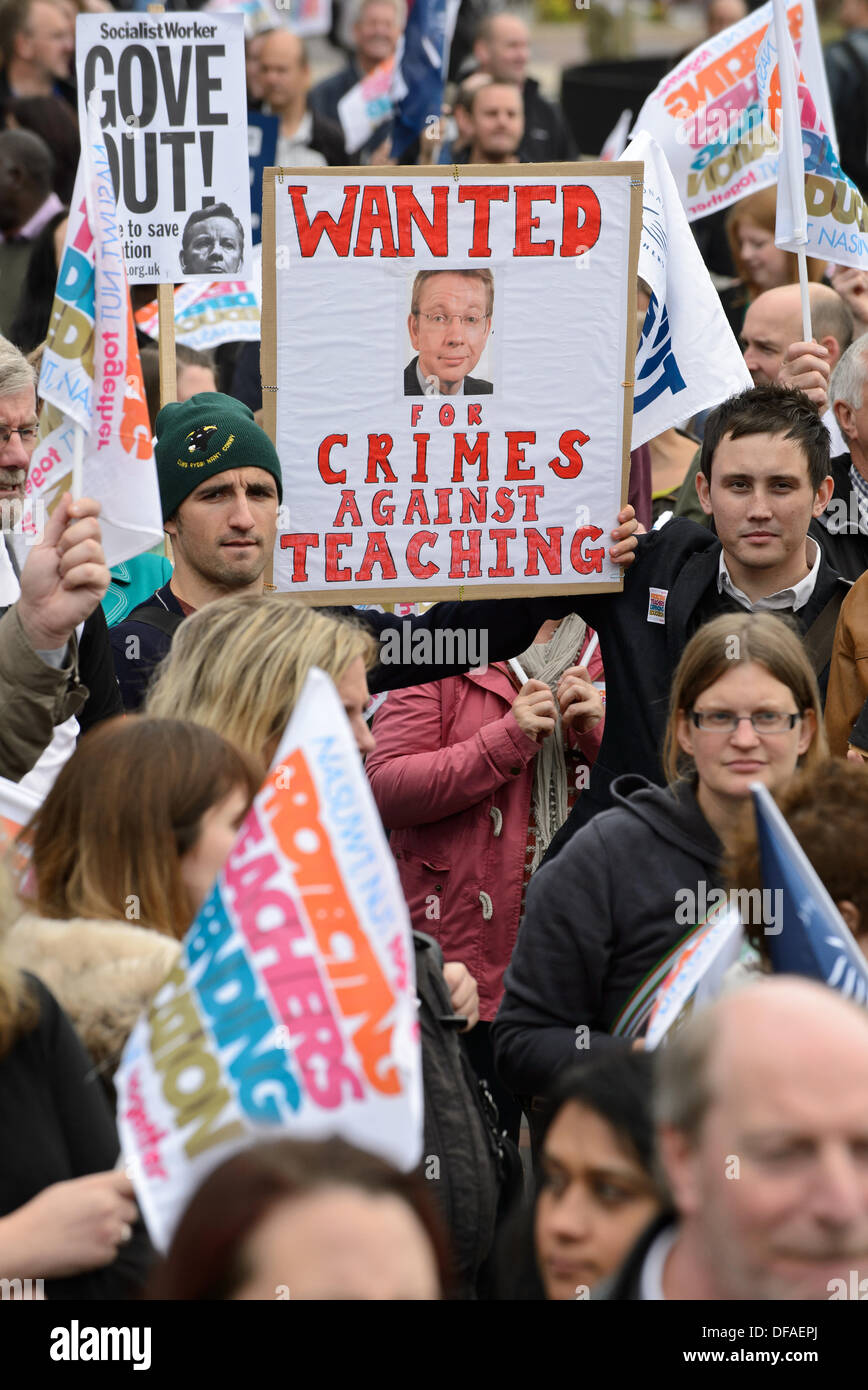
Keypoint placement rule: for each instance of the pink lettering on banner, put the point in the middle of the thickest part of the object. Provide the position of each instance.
(147, 1134)
(286, 962)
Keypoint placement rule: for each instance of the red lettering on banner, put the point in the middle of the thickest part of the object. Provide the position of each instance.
(375, 217)
(417, 509)
(334, 573)
(323, 459)
(594, 560)
(299, 545)
(474, 413)
(477, 503)
(529, 495)
(567, 445)
(525, 197)
(465, 553)
(579, 237)
(338, 232)
(444, 497)
(421, 473)
(482, 195)
(348, 508)
(435, 233)
(363, 993)
(83, 240)
(463, 453)
(377, 552)
(415, 412)
(421, 569)
(382, 514)
(515, 442)
(547, 551)
(505, 509)
(501, 569)
(379, 448)
(447, 414)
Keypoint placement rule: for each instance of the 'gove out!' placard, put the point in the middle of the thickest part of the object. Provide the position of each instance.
(449, 361)
(171, 100)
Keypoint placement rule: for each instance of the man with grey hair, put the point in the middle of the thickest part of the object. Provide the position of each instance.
(762, 1123)
(842, 530)
(58, 634)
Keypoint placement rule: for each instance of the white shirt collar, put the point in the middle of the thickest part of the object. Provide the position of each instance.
(794, 598)
(651, 1273)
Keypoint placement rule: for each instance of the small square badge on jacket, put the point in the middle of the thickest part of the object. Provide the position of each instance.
(657, 605)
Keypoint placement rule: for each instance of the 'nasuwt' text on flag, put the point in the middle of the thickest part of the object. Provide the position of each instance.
(810, 937)
(91, 375)
(708, 118)
(292, 1009)
(687, 358)
(819, 208)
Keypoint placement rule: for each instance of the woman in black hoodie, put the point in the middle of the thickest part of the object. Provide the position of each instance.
(605, 917)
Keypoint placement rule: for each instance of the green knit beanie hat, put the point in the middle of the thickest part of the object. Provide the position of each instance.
(208, 434)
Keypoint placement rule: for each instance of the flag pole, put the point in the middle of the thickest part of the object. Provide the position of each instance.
(807, 329)
(77, 460)
(166, 322)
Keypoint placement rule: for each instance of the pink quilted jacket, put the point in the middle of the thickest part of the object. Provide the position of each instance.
(452, 775)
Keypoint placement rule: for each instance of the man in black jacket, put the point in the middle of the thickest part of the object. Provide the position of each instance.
(305, 138)
(760, 1103)
(764, 475)
(502, 49)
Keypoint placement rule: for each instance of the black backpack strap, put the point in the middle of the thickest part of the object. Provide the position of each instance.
(820, 635)
(160, 618)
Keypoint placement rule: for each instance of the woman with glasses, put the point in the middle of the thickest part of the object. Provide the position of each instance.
(604, 916)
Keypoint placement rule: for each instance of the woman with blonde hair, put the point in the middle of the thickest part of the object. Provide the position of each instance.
(238, 665)
(629, 886)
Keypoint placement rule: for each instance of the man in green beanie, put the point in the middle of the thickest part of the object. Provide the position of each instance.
(220, 488)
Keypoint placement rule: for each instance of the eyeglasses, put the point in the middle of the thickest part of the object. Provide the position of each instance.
(443, 320)
(26, 433)
(723, 721)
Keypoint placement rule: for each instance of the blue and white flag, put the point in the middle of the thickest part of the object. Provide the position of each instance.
(688, 358)
(421, 65)
(811, 936)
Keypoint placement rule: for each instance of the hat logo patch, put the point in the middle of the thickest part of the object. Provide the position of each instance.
(198, 440)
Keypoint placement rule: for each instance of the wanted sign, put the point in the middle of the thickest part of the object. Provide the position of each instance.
(172, 103)
(448, 363)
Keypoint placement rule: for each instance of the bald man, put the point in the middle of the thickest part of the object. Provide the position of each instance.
(502, 49)
(771, 340)
(306, 139)
(762, 1130)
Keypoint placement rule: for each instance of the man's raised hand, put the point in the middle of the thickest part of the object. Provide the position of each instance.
(65, 576)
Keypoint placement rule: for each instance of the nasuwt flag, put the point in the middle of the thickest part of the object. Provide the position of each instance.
(292, 1010)
(707, 115)
(811, 937)
(819, 209)
(697, 978)
(421, 66)
(91, 375)
(688, 358)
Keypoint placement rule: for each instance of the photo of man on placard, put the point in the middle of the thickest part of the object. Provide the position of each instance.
(449, 325)
(212, 242)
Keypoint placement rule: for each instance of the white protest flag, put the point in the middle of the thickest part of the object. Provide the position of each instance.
(707, 115)
(616, 140)
(687, 358)
(91, 375)
(365, 107)
(292, 1010)
(820, 211)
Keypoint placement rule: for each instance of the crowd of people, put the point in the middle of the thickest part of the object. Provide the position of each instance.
(547, 812)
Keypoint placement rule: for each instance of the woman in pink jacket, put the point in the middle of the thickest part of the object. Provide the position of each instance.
(474, 775)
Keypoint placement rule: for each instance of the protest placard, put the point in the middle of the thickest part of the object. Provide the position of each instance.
(707, 115)
(292, 1010)
(173, 109)
(448, 371)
